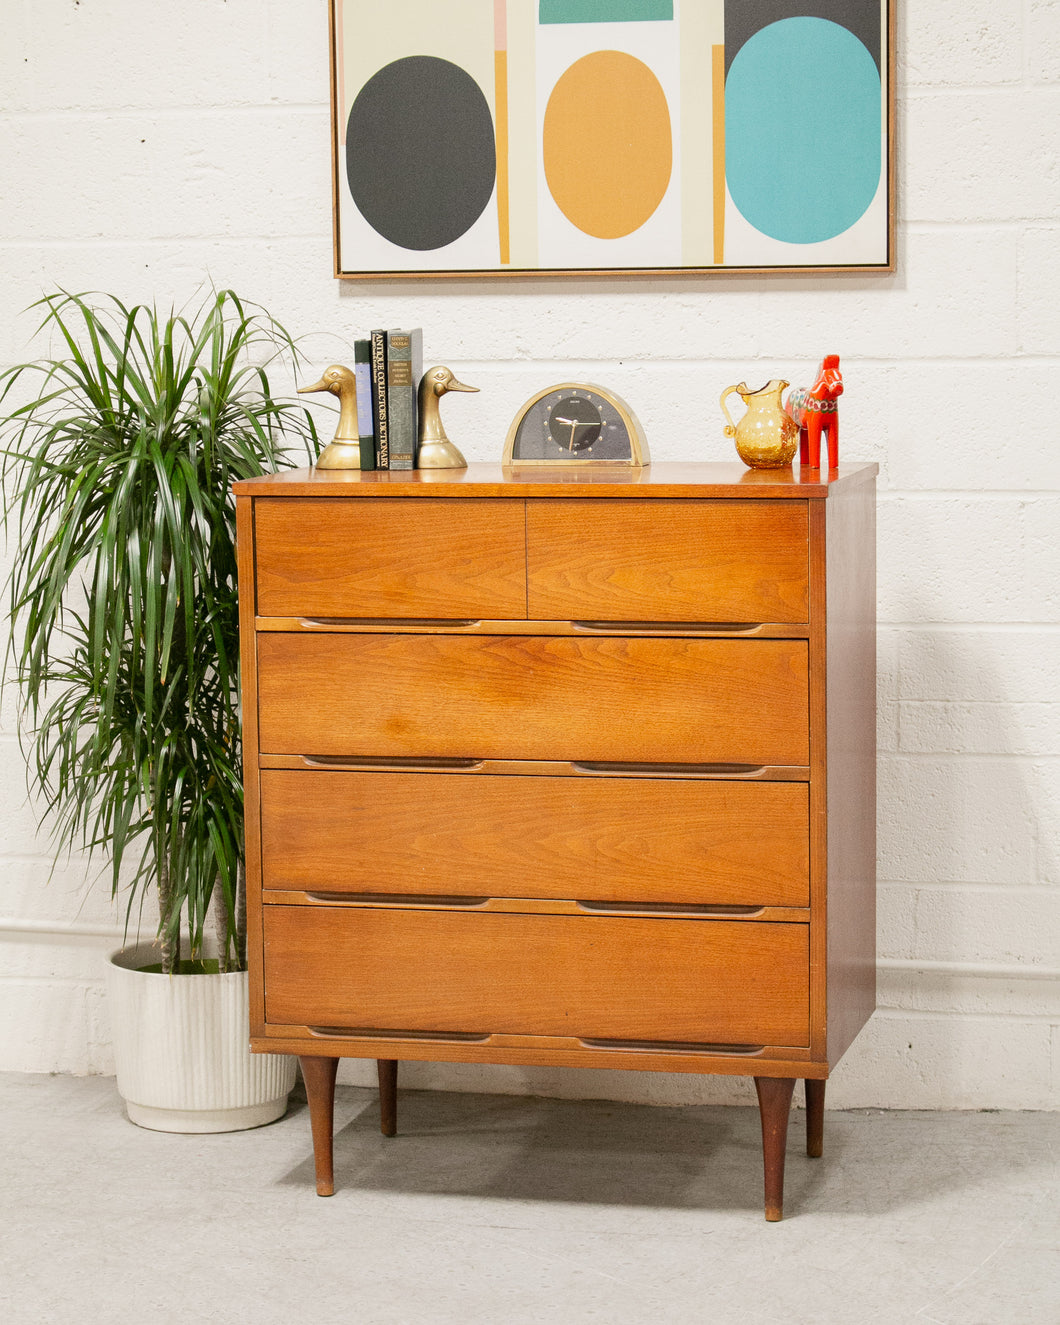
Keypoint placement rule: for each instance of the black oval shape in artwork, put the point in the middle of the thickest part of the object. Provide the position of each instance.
(420, 155)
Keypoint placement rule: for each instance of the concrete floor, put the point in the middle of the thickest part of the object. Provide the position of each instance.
(502, 1209)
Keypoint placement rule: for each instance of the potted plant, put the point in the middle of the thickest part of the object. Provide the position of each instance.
(116, 471)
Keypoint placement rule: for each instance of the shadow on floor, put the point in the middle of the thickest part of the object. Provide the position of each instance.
(531, 1149)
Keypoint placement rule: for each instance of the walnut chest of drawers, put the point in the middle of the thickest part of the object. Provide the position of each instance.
(564, 768)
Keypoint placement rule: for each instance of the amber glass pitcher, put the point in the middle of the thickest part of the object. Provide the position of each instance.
(766, 436)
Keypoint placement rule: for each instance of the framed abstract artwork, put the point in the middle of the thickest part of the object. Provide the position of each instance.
(545, 137)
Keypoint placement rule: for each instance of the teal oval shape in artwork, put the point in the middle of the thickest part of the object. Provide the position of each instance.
(803, 130)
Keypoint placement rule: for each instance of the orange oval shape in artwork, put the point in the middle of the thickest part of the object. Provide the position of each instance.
(608, 150)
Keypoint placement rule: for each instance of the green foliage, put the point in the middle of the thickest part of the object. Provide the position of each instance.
(116, 479)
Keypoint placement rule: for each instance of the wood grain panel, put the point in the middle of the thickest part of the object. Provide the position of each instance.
(248, 663)
(668, 560)
(678, 981)
(543, 1051)
(335, 558)
(585, 838)
(522, 697)
(683, 480)
(819, 1001)
(851, 715)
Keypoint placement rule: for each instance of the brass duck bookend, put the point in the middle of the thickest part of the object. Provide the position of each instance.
(436, 451)
(344, 449)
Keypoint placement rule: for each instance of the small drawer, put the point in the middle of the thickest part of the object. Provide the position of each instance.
(334, 558)
(690, 981)
(597, 839)
(613, 699)
(695, 561)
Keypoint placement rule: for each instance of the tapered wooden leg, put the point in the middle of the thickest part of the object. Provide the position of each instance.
(774, 1104)
(319, 1075)
(815, 1118)
(387, 1095)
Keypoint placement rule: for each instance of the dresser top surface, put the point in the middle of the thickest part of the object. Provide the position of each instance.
(667, 479)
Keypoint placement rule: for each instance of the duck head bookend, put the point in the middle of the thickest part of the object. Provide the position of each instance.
(436, 451)
(344, 449)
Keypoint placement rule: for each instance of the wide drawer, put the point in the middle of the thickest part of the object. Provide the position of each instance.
(583, 838)
(329, 557)
(687, 981)
(667, 560)
(600, 699)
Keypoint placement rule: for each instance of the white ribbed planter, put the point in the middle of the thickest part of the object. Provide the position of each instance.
(181, 1047)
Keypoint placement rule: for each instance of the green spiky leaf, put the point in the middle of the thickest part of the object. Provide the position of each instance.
(116, 474)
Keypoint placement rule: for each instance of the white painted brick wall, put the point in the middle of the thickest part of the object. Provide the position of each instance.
(147, 147)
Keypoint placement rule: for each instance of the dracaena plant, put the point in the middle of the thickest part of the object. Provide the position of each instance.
(116, 471)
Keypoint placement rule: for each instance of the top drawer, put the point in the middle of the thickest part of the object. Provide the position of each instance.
(667, 560)
(335, 557)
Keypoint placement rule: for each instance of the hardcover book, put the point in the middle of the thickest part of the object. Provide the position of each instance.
(362, 368)
(404, 358)
(379, 401)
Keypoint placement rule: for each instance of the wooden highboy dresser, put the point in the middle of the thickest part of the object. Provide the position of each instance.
(569, 767)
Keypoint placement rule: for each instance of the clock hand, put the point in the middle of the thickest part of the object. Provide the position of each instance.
(572, 424)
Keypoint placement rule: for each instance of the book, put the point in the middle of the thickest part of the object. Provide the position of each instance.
(379, 401)
(404, 368)
(362, 370)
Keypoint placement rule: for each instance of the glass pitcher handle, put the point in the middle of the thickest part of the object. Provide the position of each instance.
(730, 430)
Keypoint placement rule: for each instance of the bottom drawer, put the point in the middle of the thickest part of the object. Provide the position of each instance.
(593, 977)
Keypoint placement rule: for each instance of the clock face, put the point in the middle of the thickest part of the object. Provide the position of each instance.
(574, 423)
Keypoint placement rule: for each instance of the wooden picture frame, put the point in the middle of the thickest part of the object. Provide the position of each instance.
(486, 138)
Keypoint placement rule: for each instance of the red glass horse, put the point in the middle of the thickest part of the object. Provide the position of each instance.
(816, 411)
